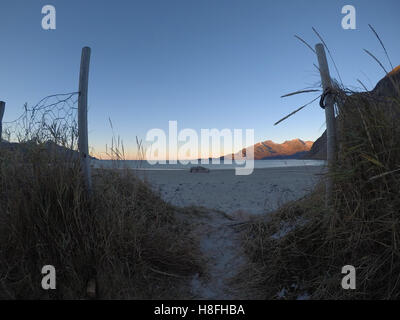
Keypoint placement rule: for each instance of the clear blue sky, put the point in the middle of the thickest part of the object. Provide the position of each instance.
(205, 63)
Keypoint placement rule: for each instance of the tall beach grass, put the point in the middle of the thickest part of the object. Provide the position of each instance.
(123, 240)
(299, 250)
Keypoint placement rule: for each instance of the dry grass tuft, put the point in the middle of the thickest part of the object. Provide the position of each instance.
(125, 237)
(300, 249)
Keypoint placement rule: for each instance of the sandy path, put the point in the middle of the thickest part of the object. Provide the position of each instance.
(228, 200)
(220, 246)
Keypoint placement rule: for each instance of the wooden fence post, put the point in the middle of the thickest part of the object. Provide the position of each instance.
(330, 119)
(2, 109)
(83, 144)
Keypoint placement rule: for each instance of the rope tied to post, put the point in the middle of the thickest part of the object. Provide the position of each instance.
(329, 91)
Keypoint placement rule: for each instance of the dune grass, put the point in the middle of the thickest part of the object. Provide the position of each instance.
(125, 238)
(299, 250)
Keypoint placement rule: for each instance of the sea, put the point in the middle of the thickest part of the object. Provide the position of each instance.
(258, 164)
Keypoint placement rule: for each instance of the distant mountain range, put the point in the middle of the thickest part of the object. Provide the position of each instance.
(268, 150)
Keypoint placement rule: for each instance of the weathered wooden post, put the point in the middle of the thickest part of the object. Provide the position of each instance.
(83, 144)
(330, 118)
(2, 109)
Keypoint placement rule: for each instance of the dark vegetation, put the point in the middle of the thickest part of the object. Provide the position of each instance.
(124, 239)
(301, 248)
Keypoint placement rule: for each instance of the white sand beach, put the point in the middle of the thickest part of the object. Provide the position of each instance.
(239, 198)
(264, 190)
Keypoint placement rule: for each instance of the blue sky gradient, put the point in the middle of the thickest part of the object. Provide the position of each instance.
(205, 63)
